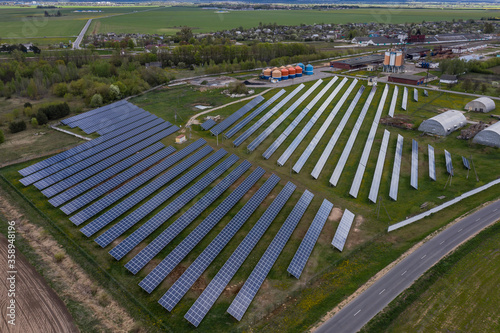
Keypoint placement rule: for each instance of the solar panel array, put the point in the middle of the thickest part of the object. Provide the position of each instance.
(449, 163)
(143, 117)
(254, 114)
(128, 187)
(239, 140)
(343, 230)
(426, 93)
(404, 103)
(262, 136)
(277, 143)
(358, 177)
(393, 192)
(203, 304)
(104, 119)
(298, 139)
(432, 162)
(306, 246)
(352, 138)
(414, 164)
(189, 277)
(252, 285)
(226, 123)
(81, 116)
(377, 175)
(466, 163)
(415, 94)
(133, 218)
(315, 140)
(392, 107)
(208, 124)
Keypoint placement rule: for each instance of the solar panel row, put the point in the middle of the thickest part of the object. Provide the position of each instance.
(129, 186)
(432, 162)
(300, 137)
(306, 246)
(343, 230)
(414, 164)
(254, 114)
(258, 140)
(426, 93)
(392, 108)
(466, 163)
(104, 117)
(226, 123)
(113, 118)
(203, 304)
(334, 179)
(358, 177)
(404, 103)
(449, 163)
(125, 246)
(208, 124)
(415, 94)
(277, 143)
(252, 285)
(189, 277)
(138, 196)
(393, 192)
(92, 112)
(377, 175)
(239, 140)
(143, 116)
(315, 141)
(138, 214)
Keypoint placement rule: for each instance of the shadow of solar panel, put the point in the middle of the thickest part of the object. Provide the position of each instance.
(432, 162)
(226, 123)
(377, 175)
(343, 230)
(393, 192)
(306, 246)
(414, 164)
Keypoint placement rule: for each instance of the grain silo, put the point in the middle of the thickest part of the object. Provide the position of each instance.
(301, 65)
(309, 70)
(298, 71)
(393, 61)
(266, 74)
(284, 74)
(291, 72)
(277, 75)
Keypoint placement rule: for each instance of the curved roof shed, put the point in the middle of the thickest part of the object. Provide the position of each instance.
(444, 123)
(490, 136)
(482, 104)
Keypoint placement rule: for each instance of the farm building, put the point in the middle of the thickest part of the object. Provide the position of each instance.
(444, 123)
(481, 104)
(357, 62)
(490, 136)
(448, 79)
(407, 79)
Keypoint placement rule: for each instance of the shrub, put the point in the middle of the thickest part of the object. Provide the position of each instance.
(55, 111)
(238, 88)
(96, 101)
(27, 105)
(34, 122)
(2, 137)
(60, 89)
(59, 256)
(41, 118)
(17, 126)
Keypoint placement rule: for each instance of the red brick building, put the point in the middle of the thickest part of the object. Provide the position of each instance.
(407, 79)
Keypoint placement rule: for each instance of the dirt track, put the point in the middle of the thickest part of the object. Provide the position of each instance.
(38, 308)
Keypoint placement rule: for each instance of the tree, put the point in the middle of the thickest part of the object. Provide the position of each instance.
(185, 34)
(488, 28)
(96, 101)
(114, 91)
(34, 122)
(41, 118)
(17, 126)
(2, 137)
(32, 89)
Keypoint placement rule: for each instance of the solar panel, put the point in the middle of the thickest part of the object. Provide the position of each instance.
(112, 119)
(393, 101)
(137, 197)
(393, 192)
(299, 138)
(203, 304)
(306, 246)
(405, 99)
(358, 177)
(449, 164)
(377, 175)
(426, 93)
(189, 277)
(275, 145)
(138, 214)
(154, 134)
(208, 124)
(262, 136)
(92, 150)
(226, 123)
(414, 164)
(125, 246)
(92, 112)
(144, 115)
(129, 186)
(160, 242)
(334, 179)
(343, 230)
(105, 174)
(432, 162)
(466, 163)
(252, 285)
(254, 114)
(415, 94)
(239, 140)
(314, 142)
(90, 123)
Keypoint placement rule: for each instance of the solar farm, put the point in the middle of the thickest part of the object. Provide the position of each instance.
(259, 207)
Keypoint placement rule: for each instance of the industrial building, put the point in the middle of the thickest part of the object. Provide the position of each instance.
(490, 136)
(481, 104)
(357, 62)
(444, 123)
(393, 61)
(407, 79)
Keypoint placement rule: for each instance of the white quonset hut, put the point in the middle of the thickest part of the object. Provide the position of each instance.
(482, 104)
(444, 123)
(490, 136)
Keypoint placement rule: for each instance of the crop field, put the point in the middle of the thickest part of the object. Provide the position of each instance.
(283, 303)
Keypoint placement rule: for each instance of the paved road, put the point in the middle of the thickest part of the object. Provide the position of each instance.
(363, 308)
(78, 40)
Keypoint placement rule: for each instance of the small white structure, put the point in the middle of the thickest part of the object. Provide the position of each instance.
(448, 79)
(490, 136)
(180, 139)
(481, 104)
(444, 123)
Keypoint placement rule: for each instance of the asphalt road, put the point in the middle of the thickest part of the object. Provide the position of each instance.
(373, 300)
(78, 40)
